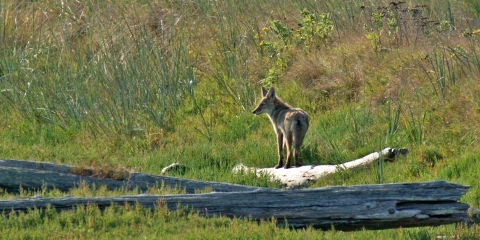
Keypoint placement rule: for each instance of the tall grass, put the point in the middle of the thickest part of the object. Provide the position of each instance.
(124, 82)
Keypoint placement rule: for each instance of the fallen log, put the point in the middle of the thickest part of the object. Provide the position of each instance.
(379, 206)
(301, 176)
(37, 175)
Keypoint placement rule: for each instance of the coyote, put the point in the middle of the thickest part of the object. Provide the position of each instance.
(290, 125)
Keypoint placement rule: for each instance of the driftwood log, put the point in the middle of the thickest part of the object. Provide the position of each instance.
(38, 175)
(300, 176)
(378, 206)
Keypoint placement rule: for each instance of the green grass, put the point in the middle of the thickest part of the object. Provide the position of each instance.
(137, 85)
(138, 223)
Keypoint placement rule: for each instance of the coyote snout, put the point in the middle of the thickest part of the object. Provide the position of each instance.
(290, 125)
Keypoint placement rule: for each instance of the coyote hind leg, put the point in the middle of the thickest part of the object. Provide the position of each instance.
(288, 140)
(295, 155)
(297, 142)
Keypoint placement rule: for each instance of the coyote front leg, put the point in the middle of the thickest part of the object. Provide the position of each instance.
(279, 149)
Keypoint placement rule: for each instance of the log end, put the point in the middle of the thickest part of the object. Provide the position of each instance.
(392, 153)
(474, 215)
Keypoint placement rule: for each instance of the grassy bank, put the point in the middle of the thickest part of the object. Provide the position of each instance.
(138, 85)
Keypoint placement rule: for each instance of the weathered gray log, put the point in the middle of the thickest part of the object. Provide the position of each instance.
(38, 175)
(378, 206)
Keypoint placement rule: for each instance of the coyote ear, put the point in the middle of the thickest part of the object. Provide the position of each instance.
(271, 93)
(264, 92)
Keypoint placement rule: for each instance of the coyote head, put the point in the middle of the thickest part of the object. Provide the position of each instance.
(266, 104)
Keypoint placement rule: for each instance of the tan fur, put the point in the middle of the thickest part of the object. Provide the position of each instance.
(290, 125)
